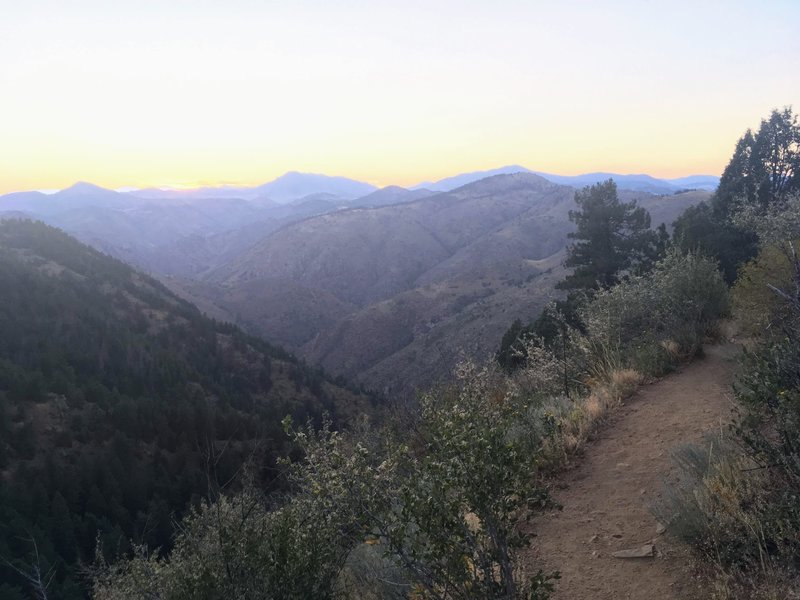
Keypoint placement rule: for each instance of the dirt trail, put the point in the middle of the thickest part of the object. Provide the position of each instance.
(607, 496)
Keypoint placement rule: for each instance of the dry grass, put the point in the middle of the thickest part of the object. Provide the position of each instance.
(775, 585)
(577, 423)
(718, 509)
(624, 382)
(672, 349)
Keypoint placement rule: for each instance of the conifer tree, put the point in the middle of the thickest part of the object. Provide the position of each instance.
(613, 238)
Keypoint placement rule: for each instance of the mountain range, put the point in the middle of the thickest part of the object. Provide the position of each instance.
(390, 287)
(293, 186)
(637, 183)
(395, 296)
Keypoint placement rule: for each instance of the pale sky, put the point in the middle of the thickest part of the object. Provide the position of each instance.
(180, 92)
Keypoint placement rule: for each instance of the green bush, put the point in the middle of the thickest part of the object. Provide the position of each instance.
(758, 309)
(715, 507)
(438, 510)
(681, 301)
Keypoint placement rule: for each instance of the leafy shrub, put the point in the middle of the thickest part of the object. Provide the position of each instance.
(236, 548)
(769, 390)
(680, 300)
(728, 509)
(756, 307)
(439, 510)
(656, 358)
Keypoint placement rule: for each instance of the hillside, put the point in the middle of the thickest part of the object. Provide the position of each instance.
(188, 233)
(633, 183)
(120, 404)
(394, 296)
(330, 277)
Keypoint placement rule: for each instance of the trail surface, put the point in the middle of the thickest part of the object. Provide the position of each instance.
(607, 497)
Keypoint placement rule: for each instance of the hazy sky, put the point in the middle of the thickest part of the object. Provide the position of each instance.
(203, 92)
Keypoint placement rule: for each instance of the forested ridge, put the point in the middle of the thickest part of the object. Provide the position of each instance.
(121, 405)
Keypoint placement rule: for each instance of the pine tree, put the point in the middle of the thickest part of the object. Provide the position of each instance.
(614, 237)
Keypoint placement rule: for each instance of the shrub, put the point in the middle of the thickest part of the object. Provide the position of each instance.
(680, 301)
(235, 548)
(724, 507)
(758, 309)
(439, 510)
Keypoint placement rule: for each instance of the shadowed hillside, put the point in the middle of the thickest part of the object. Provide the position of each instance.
(120, 404)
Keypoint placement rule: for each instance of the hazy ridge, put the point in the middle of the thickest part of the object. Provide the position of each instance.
(391, 287)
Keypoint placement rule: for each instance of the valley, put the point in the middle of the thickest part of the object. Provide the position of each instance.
(390, 289)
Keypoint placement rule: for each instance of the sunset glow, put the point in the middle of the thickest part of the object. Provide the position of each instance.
(184, 93)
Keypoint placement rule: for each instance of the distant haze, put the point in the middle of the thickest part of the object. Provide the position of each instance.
(294, 186)
(201, 93)
(387, 286)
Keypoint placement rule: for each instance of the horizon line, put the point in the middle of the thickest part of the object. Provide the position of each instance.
(181, 187)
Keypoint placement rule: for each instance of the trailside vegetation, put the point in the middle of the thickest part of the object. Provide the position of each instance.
(738, 505)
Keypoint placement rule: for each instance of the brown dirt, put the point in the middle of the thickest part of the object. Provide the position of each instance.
(607, 497)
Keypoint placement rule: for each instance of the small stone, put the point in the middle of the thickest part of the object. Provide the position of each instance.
(646, 551)
(616, 535)
(642, 491)
(593, 539)
(660, 528)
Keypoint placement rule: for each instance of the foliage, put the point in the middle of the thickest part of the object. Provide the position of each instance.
(741, 509)
(763, 171)
(510, 356)
(544, 371)
(724, 507)
(551, 328)
(680, 301)
(701, 229)
(765, 166)
(461, 496)
(236, 548)
(758, 309)
(614, 237)
(444, 507)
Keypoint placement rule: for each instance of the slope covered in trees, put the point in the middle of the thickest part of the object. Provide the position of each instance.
(121, 405)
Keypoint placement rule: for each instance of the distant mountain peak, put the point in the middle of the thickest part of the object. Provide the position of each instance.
(506, 181)
(293, 185)
(457, 181)
(633, 182)
(84, 188)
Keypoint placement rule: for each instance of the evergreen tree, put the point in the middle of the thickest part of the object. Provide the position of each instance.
(614, 237)
(764, 166)
(510, 354)
(763, 170)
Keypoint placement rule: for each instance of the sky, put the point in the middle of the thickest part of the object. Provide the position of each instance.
(186, 93)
